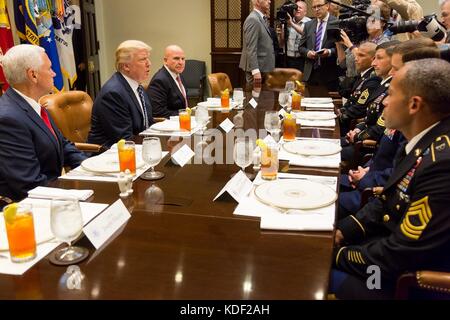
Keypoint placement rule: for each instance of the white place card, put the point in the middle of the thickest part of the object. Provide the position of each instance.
(106, 224)
(253, 103)
(183, 155)
(239, 186)
(282, 112)
(227, 125)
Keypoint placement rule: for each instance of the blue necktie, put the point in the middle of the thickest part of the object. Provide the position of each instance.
(318, 43)
(140, 90)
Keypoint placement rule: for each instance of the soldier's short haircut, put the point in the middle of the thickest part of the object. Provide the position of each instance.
(415, 49)
(430, 80)
(388, 46)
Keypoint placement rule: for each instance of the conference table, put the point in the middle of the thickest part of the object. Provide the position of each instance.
(184, 245)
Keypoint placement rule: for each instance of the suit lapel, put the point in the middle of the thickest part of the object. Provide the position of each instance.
(130, 93)
(24, 105)
(407, 163)
(263, 23)
(174, 85)
(314, 32)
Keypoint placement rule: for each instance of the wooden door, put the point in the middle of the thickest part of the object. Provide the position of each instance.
(91, 47)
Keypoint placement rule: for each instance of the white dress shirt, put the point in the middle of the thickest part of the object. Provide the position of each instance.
(134, 86)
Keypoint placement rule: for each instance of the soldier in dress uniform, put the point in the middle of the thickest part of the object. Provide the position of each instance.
(408, 227)
(368, 81)
(373, 125)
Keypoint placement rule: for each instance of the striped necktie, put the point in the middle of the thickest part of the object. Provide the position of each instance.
(183, 92)
(140, 91)
(319, 37)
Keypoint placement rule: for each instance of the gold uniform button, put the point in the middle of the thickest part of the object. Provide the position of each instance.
(383, 197)
(397, 207)
(386, 218)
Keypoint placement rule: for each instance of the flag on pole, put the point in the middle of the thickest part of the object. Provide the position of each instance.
(34, 25)
(64, 23)
(6, 39)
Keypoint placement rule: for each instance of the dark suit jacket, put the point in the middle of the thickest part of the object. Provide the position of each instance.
(30, 155)
(164, 94)
(329, 69)
(116, 113)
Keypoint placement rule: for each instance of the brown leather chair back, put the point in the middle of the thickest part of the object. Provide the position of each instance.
(277, 78)
(219, 82)
(71, 112)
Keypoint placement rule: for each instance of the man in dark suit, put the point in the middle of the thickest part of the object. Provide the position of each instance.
(166, 91)
(122, 108)
(408, 227)
(320, 52)
(32, 149)
(258, 56)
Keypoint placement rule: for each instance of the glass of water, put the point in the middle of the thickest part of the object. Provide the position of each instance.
(152, 154)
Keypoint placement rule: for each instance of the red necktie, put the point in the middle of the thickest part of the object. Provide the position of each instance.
(182, 90)
(44, 117)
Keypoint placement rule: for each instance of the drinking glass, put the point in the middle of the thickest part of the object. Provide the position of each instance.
(127, 157)
(66, 223)
(269, 162)
(272, 122)
(296, 101)
(243, 152)
(238, 97)
(185, 120)
(201, 117)
(225, 99)
(20, 232)
(283, 99)
(152, 154)
(289, 129)
(289, 86)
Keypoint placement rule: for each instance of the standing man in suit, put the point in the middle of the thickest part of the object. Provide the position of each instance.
(258, 56)
(166, 91)
(122, 108)
(320, 53)
(32, 149)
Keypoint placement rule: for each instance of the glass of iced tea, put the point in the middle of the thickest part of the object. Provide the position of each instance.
(20, 231)
(225, 99)
(185, 120)
(269, 162)
(289, 128)
(296, 101)
(127, 156)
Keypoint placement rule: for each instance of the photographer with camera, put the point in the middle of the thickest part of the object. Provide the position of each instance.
(319, 51)
(408, 10)
(295, 27)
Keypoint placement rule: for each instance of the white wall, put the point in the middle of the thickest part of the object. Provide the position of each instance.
(156, 22)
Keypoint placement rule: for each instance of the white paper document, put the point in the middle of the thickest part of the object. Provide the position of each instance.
(239, 186)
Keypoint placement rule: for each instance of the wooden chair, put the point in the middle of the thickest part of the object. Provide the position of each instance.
(71, 112)
(219, 82)
(277, 78)
(436, 284)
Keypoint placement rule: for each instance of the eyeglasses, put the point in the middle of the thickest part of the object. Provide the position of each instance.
(318, 6)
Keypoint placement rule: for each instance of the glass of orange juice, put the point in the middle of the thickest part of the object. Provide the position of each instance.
(289, 128)
(127, 157)
(20, 231)
(269, 162)
(296, 101)
(185, 119)
(225, 98)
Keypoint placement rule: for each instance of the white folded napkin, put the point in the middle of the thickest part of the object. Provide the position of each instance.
(51, 193)
(316, 123)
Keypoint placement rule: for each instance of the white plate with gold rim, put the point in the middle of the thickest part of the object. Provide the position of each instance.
(295, 194)
(312, 147)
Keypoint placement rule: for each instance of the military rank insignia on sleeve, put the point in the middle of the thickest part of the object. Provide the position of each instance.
(416, 219)
(363, 97)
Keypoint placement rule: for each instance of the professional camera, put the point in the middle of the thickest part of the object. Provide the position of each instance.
(429, 27)
(351, 21)
(287, 7)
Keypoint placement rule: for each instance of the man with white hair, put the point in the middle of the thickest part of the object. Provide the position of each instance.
(258, 53)
(32, 149)
(122, 108)
(445, 17)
